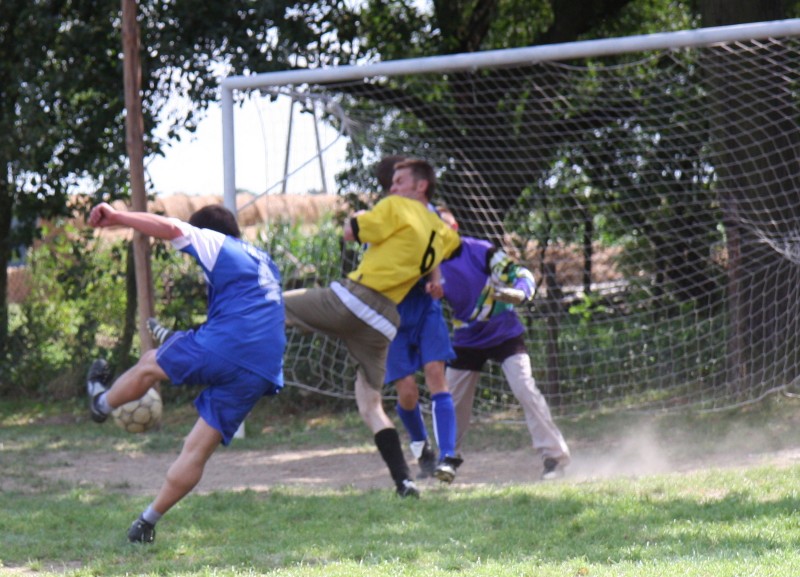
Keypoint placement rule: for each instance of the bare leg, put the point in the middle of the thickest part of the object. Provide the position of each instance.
(370, 406)
(434, 377)
(135, 382)
(407, 392)
(187, 470)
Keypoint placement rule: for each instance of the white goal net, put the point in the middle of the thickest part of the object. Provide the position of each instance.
(651, 186)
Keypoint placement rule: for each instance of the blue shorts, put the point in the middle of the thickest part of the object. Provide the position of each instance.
(231, 391)
(422, 338)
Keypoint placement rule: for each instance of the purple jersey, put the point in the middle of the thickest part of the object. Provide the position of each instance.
(469, 281)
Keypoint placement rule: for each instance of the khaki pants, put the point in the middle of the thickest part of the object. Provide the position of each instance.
(320, 310)
(546, 436)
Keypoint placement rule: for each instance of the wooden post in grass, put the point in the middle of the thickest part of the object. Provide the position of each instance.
(134, 140)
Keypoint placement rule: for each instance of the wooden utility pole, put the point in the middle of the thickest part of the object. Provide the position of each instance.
(134, 141)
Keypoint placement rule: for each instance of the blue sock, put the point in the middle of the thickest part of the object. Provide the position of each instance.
(444, 424)
(413, 422)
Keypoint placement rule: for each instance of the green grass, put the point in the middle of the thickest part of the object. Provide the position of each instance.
(720, 522)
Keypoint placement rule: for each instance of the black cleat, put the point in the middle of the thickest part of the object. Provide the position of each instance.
(97, 381)
(142, 532)
(159, 332)
(426, 461)
(552, 469)
(408, 489)
(446, 469)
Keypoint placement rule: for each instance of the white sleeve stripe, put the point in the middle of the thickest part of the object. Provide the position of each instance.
(207, 243)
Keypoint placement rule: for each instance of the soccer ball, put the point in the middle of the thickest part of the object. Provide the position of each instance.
(140, 415)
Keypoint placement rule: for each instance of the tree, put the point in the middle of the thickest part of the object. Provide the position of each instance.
(469, 26)
(61, 94)
(60, 111)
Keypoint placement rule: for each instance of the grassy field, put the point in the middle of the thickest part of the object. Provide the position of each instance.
(722, 521)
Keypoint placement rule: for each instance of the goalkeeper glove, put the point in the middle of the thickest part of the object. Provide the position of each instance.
(509, 295)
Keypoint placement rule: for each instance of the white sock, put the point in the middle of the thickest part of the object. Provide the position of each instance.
(102, 404)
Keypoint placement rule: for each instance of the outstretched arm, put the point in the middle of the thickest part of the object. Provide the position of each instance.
(104, 215)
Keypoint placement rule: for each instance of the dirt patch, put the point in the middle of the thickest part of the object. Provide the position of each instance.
(362, 468)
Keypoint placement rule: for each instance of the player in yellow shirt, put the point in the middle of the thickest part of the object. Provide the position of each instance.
(405, 242)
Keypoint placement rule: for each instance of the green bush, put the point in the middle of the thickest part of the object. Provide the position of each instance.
(76, 307)
(77, 296)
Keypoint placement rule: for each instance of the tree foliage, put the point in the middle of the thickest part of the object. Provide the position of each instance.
(62, 102)
(61, 89)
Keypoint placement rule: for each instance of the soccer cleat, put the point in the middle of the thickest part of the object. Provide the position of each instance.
(426, 458)
(159, 332)
(142, 532)
(408, 489)
(552, 469)
(445, 471)
(97, 381)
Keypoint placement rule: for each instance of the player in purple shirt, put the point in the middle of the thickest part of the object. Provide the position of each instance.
(482, 285)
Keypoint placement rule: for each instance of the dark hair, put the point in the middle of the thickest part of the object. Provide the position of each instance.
(421, 170)
(216, 217)
(384, 170)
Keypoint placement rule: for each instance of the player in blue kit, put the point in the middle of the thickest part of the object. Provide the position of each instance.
(482, 285)
(237, 354)
(422, 344)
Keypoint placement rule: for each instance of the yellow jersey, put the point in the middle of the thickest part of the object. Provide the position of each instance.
(406, 240)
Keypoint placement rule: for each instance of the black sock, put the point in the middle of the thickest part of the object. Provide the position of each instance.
(388, 443)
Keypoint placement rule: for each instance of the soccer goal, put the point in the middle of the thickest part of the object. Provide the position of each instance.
(649, 182)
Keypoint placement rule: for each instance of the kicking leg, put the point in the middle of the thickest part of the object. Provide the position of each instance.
(131, 385)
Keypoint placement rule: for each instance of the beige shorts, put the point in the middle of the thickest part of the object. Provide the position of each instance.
(365, 327)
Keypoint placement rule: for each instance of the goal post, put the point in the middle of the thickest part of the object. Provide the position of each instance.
(649, 182)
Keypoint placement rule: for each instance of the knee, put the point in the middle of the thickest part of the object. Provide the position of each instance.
(364, 405)
(148, 366)
(435, 377)
(368, 400)
(407, 392)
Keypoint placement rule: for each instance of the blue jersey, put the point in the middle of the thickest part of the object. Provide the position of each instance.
(245, 323)
(470, 278)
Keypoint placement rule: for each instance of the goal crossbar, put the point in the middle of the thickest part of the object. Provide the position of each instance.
(477, 60)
